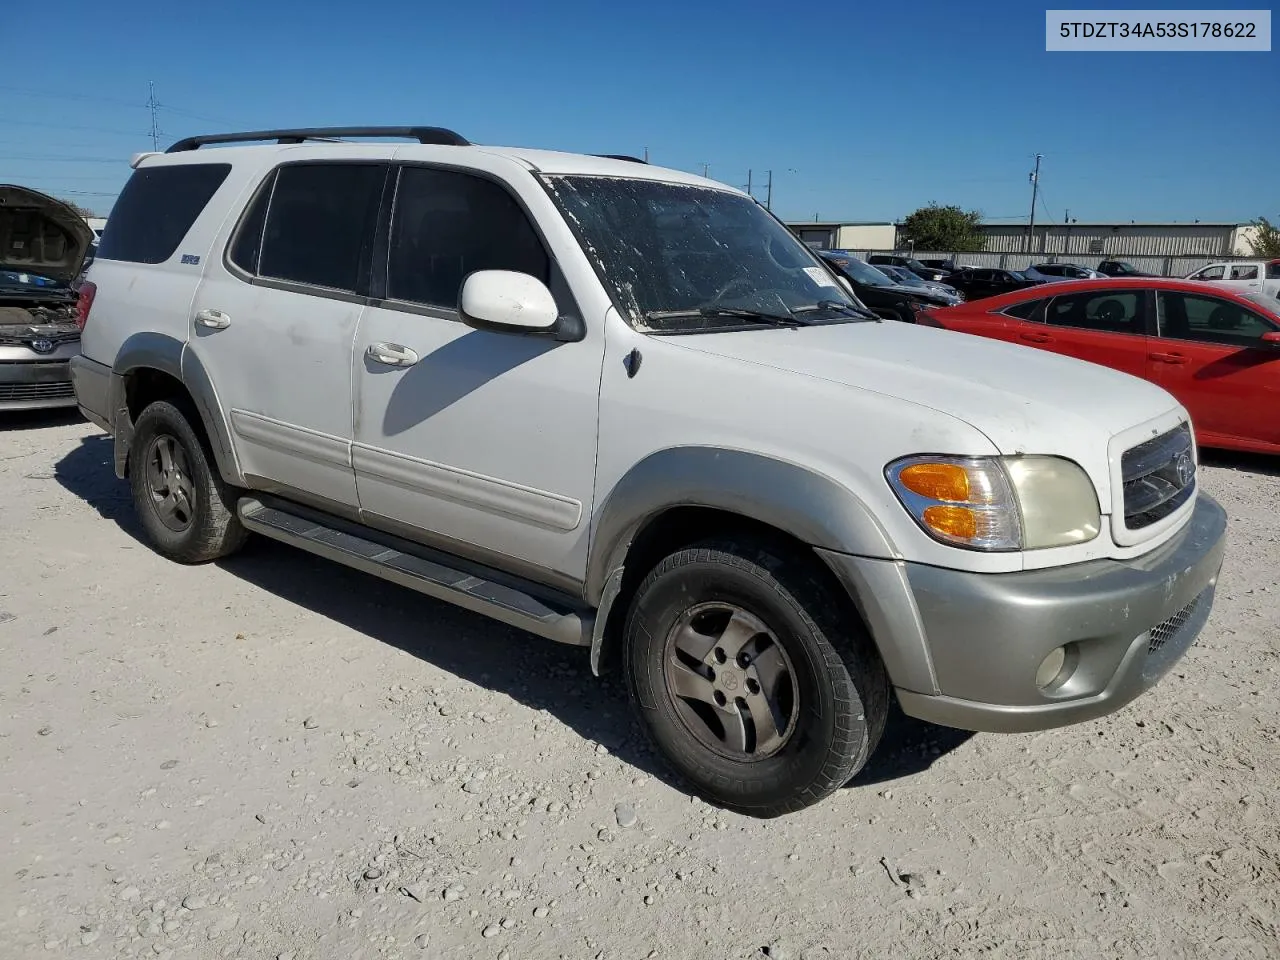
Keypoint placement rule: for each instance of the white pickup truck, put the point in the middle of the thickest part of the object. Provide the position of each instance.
(1260, 276)
(625, 408)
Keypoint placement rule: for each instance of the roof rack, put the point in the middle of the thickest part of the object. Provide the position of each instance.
(436, 135)
(619, 156)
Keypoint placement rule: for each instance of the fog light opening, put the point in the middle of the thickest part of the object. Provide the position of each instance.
(1056, 668)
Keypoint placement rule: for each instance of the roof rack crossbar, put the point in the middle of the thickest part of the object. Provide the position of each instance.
(435, 135)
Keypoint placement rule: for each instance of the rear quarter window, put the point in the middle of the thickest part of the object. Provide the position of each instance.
(156, 209)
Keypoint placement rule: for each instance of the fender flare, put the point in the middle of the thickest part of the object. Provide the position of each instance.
(158, 351)
(809, 506)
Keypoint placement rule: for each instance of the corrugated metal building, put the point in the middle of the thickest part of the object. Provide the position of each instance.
(846, 234)
(1123, 239)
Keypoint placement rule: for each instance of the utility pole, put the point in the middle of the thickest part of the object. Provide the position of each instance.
(1035, 189)
(768, 197)
(749, 193)
(646, 154)
(152, 105)
(706, 168)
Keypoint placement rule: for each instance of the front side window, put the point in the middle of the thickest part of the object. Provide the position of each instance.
(1185, 316)
(319, 223)
(447, 225)
(678, 257)
(1273, 270)
(1216, 272)
(1118, 311)
(1049, 270)
(156, 209)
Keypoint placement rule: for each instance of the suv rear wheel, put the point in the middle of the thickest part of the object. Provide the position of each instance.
(185, 508)
(752, 679)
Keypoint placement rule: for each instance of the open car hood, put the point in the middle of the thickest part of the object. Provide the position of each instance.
(41, 234)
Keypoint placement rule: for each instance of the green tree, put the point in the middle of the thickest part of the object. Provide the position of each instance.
(948, 229)
(1266, 243)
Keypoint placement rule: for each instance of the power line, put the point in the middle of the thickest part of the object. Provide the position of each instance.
(84, 97)
(69, 126)
(120, 159)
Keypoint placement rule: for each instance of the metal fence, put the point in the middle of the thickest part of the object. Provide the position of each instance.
(1162, 266)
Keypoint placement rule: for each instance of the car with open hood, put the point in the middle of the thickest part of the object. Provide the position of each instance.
(43, 243)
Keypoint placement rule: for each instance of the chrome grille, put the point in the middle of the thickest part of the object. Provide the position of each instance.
(17, 392)
(1159, 476)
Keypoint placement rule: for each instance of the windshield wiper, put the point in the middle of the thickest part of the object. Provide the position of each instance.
(755, 316)
(847, 308)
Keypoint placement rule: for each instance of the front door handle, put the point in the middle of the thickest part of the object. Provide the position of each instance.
(1167, 357)
(213, 319)
(392, 354)
(1036, 337)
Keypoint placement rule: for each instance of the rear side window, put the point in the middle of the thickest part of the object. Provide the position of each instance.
(1246, 272)
(447, 225)
(156, 209)
(319, 224)
(1025, 311)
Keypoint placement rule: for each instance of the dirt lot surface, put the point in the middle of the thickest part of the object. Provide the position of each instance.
(277, 757)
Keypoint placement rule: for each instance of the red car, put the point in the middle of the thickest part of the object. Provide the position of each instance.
(1215, 349)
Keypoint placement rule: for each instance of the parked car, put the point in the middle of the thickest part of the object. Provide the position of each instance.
(1217, 350)
(625, 408)
(1260, 275)
(978, 282)
(42, 244)
(912, 264)
(1051, 272)
(1121, 268)
(904, 277)
(882, 295)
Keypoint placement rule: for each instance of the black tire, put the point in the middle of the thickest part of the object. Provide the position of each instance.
(838, 697)
(198, 522)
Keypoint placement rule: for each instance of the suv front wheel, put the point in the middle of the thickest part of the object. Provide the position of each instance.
(185, 508)
(761, 688)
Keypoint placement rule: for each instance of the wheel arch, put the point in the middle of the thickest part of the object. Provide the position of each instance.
(681, 495)
(154, 366)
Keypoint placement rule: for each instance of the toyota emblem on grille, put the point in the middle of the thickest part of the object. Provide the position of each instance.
(42, 345)
(1185, 468)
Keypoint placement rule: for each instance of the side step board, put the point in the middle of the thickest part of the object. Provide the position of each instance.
(432, 577)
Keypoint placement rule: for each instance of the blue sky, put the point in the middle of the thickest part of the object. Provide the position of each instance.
(863, 111)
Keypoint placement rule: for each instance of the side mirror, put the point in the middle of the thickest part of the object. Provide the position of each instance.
(508, 301)
(1271, 339)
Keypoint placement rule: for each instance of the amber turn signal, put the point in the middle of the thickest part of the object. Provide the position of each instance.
(959, 523)
(937, 481)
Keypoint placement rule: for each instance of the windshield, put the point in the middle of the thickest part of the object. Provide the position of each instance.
(907, 278)
(1271, 304)
(681, 257)
(863, 272)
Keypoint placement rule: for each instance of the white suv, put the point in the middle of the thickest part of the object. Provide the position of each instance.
(625, 408)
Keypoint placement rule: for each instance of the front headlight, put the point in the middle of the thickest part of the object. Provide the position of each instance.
(998, 503)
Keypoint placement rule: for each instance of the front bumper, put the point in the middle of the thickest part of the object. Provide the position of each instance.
(35, 384)
(1123, 623)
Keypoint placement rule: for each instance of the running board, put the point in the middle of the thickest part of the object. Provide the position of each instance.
(431, 577)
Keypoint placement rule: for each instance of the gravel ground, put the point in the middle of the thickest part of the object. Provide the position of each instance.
(277, 757)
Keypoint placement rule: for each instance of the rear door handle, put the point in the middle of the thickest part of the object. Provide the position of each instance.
(1036, 337)
(1167, 357)
(213, 319)
(392, 354)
